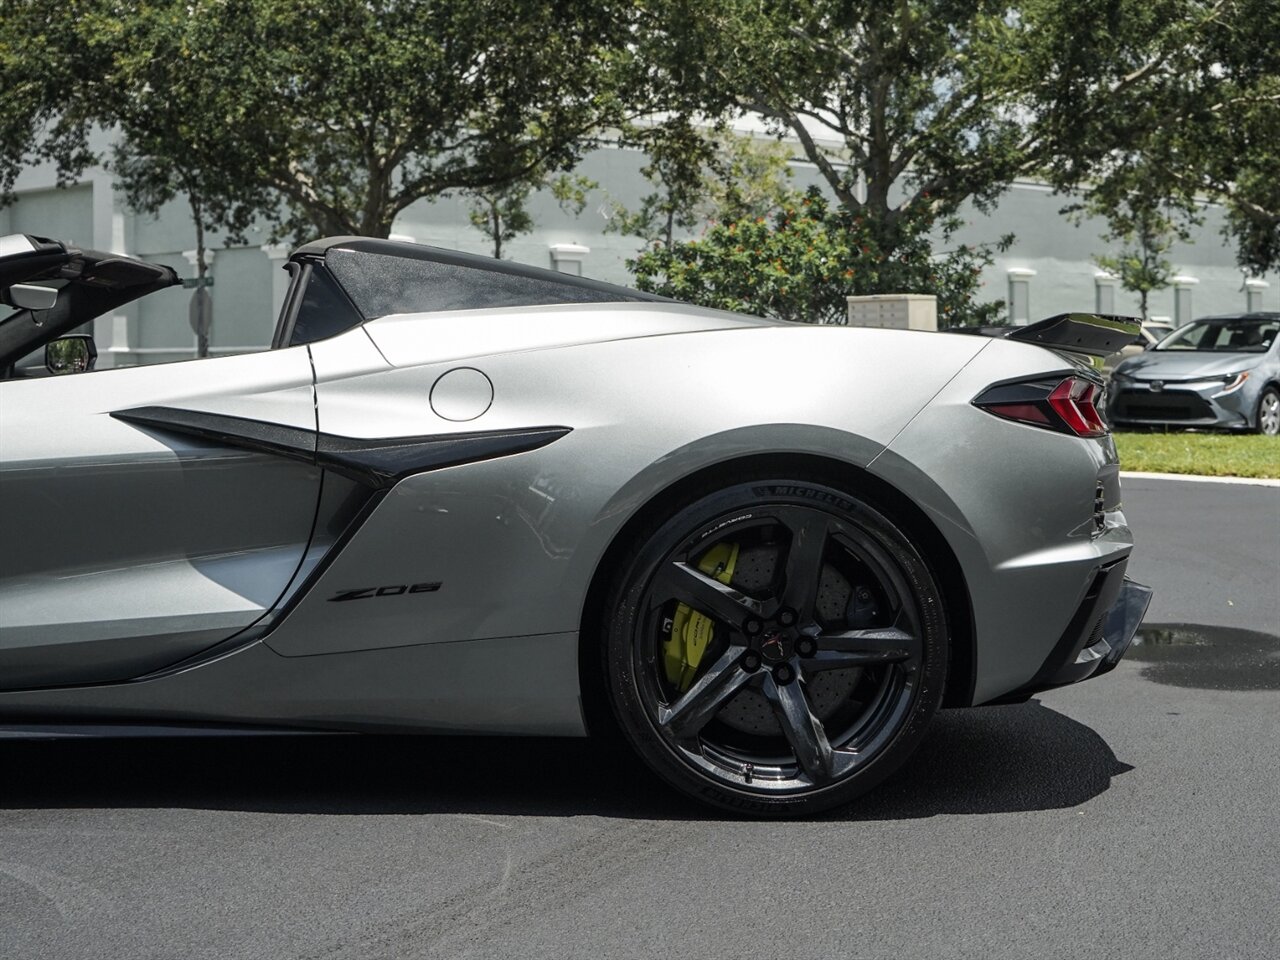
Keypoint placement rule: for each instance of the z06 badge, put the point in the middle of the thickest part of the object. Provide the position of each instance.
(395, 590)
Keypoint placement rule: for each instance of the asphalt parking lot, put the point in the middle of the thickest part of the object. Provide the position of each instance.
(1135, 816)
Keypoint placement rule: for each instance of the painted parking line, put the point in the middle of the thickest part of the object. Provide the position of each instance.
(1195, 478)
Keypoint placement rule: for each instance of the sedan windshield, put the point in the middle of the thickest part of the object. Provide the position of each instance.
(1228, 335)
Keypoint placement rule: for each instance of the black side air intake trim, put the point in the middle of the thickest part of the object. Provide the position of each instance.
(293, 442)
(377, 463)
(380, 463)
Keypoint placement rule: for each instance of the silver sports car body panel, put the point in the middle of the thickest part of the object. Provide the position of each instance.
(402, 525)
(129, 548)
(534, 527)
(1028, 559)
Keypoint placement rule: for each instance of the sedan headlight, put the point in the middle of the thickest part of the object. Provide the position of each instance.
(1234, 381)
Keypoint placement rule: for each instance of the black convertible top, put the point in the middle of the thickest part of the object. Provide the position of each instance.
(346, 281)
(575, 289)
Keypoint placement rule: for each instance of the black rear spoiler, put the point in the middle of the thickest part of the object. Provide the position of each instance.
(1090, 333)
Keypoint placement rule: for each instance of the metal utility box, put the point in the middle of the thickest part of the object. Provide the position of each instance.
(899, 311)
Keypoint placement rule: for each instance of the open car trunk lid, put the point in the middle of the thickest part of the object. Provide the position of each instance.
(89, 284)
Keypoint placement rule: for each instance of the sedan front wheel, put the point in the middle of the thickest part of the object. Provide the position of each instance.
(1269, 412)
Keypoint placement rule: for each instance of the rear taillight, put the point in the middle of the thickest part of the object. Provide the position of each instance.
(1067, 404)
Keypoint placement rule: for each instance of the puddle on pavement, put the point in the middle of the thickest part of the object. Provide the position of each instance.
(1208, 658)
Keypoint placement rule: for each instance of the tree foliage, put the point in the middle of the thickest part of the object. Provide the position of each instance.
(1145, 233)
(898, 106)
(333, 116)
(1195, 120)
(803, 262)
(935, 103)
(702, 175)
(502, 213)
(41, 119)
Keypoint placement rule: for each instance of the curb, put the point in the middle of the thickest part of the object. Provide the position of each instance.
(1196, 478)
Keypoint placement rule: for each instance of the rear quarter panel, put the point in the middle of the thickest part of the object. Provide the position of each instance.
(1015, 503)
(515, 542)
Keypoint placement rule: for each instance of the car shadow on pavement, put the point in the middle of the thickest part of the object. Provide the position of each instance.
(989, 760)
(995, 760)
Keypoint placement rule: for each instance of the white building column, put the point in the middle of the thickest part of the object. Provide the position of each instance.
(191, 256)
(277, 255)
(1104, 292)
(568, 257)
(1254, 289)
(1182, 308)
(1020, 295)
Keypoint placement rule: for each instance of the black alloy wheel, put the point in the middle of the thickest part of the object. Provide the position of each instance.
(823, 651)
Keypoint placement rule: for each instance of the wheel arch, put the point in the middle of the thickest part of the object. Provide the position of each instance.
(1273, 383)
(893, 503)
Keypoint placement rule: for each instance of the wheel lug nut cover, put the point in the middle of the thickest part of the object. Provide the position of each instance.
(782, 673)
(752, 627)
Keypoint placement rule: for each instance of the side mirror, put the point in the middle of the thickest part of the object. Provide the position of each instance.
(76, 354)
(29, 296)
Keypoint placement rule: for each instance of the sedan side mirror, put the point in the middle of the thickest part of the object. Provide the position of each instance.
(75, 354)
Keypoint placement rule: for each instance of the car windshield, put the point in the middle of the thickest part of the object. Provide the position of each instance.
(1228, 335)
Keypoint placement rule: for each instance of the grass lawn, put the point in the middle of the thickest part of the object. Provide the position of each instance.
(1207, 454)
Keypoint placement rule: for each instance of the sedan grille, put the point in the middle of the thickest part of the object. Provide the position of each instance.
(1161, 406)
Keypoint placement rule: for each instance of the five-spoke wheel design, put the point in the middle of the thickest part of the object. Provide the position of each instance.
(778, 646)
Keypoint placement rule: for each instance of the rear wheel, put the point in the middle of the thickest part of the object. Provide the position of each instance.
(776, 647)
(1269, 412)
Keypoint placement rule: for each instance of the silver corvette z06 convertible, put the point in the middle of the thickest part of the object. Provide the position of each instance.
(462, 495)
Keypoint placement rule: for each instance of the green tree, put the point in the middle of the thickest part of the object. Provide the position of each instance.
(333, 116)
(804, 261)
(898, 106)
(43, 119)
(937, 103)
(678, 154)
(1146, 229)
(502, 213)
(749, 178)
(1199, 123)
(702, 175)
(1140, 265)
(164, 145)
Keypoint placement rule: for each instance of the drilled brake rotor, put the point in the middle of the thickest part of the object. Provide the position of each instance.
(749, 712)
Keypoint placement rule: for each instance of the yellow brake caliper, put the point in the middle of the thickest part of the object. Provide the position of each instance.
(691, 632)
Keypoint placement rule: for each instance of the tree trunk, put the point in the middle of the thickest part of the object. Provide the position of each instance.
(202, 270)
